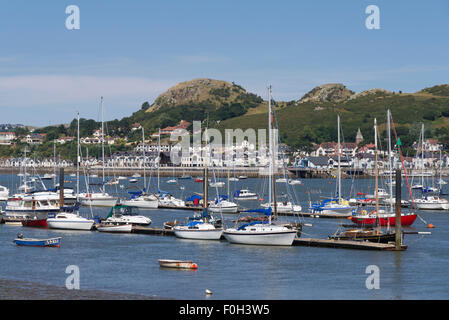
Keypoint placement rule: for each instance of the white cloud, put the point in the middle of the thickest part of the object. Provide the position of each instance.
(37, 90)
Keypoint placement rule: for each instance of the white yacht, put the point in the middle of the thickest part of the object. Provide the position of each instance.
(432, 203)
(122, 214)
(244, 194)
(4, 193)
(223, 206)
(198, 230)
(70, 221)
(97, 199)
(168, 200)
(260, 233)
(265, 232)
(143, 201)
(283, 206)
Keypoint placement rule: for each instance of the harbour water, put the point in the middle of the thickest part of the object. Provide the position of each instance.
(127, 264)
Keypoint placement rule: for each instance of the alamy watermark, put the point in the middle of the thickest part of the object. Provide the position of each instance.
(209, 147)
(373, 280)
(72, 22)
(72, 282)
(373, 20)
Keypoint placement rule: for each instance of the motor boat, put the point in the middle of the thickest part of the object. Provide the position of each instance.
(283, 207)
(245, 194)
(97, 199)
(432, 203)
(142, 201)
(222, 205)
(122, 214)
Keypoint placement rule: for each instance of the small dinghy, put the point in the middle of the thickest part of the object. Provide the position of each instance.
(31, 242)
(178, 264)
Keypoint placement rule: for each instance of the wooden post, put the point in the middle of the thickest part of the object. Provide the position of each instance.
(61, 187)
(398, 210)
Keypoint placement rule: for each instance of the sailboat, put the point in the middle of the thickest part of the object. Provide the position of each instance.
(165, 198)
(264, 232)
(102, 198)
(173, 180)
(441, 181)
(141, 199)
(374, 235)
(202, 228)
(67, 218)
(432, 202)
(379, 217)
(337, 205)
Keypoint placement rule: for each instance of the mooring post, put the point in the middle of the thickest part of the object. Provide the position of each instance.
(61, 187)
(398, 239)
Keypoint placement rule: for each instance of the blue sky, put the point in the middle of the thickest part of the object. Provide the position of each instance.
(131, 51)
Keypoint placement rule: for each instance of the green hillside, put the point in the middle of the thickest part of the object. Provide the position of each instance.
(300, 124)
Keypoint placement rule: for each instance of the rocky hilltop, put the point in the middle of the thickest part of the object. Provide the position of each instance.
(198, 91)
(331, 92)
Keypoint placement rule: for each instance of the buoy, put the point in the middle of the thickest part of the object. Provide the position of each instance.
(430, 225)
(208, 291)
(349, 218)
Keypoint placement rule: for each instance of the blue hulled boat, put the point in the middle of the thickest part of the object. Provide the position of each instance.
(50, 242)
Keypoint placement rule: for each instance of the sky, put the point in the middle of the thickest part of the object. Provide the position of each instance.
(131, 51)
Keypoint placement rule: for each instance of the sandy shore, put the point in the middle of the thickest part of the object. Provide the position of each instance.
(24, 290)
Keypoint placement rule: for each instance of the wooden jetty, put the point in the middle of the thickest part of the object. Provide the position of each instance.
(153, 231)
(346, 244)
(308, 242)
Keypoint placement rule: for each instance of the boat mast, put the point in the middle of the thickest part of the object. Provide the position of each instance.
(205, 183)
(144, 160)
(389, 161)
(272, 154)
(102, 139)
(54, 162)
(25, 170)
(377, 173)
(422, 155)
(159, 156)
(78, 159)
(339, 151)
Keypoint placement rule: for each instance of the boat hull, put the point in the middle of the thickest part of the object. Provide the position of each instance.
(277, 238)
(195, 234)
(70, 225)
(99, 202)
(144, 204)
(432, 206)
(123, 228)
(52, 242)
(177, 264)
(406, 220)
(35, 223)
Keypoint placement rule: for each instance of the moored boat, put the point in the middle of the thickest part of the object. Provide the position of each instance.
(115, 228)
(372, 235)
(178, 264)
(32, 242)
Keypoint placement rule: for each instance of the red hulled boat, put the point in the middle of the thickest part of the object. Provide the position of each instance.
(383, 219)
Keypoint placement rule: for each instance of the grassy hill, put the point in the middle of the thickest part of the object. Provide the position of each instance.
(312, 120)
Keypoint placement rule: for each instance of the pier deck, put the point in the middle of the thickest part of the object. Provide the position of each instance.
(345, 244)
(308, 242)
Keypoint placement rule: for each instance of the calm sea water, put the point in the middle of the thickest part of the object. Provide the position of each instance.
(127, 263)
